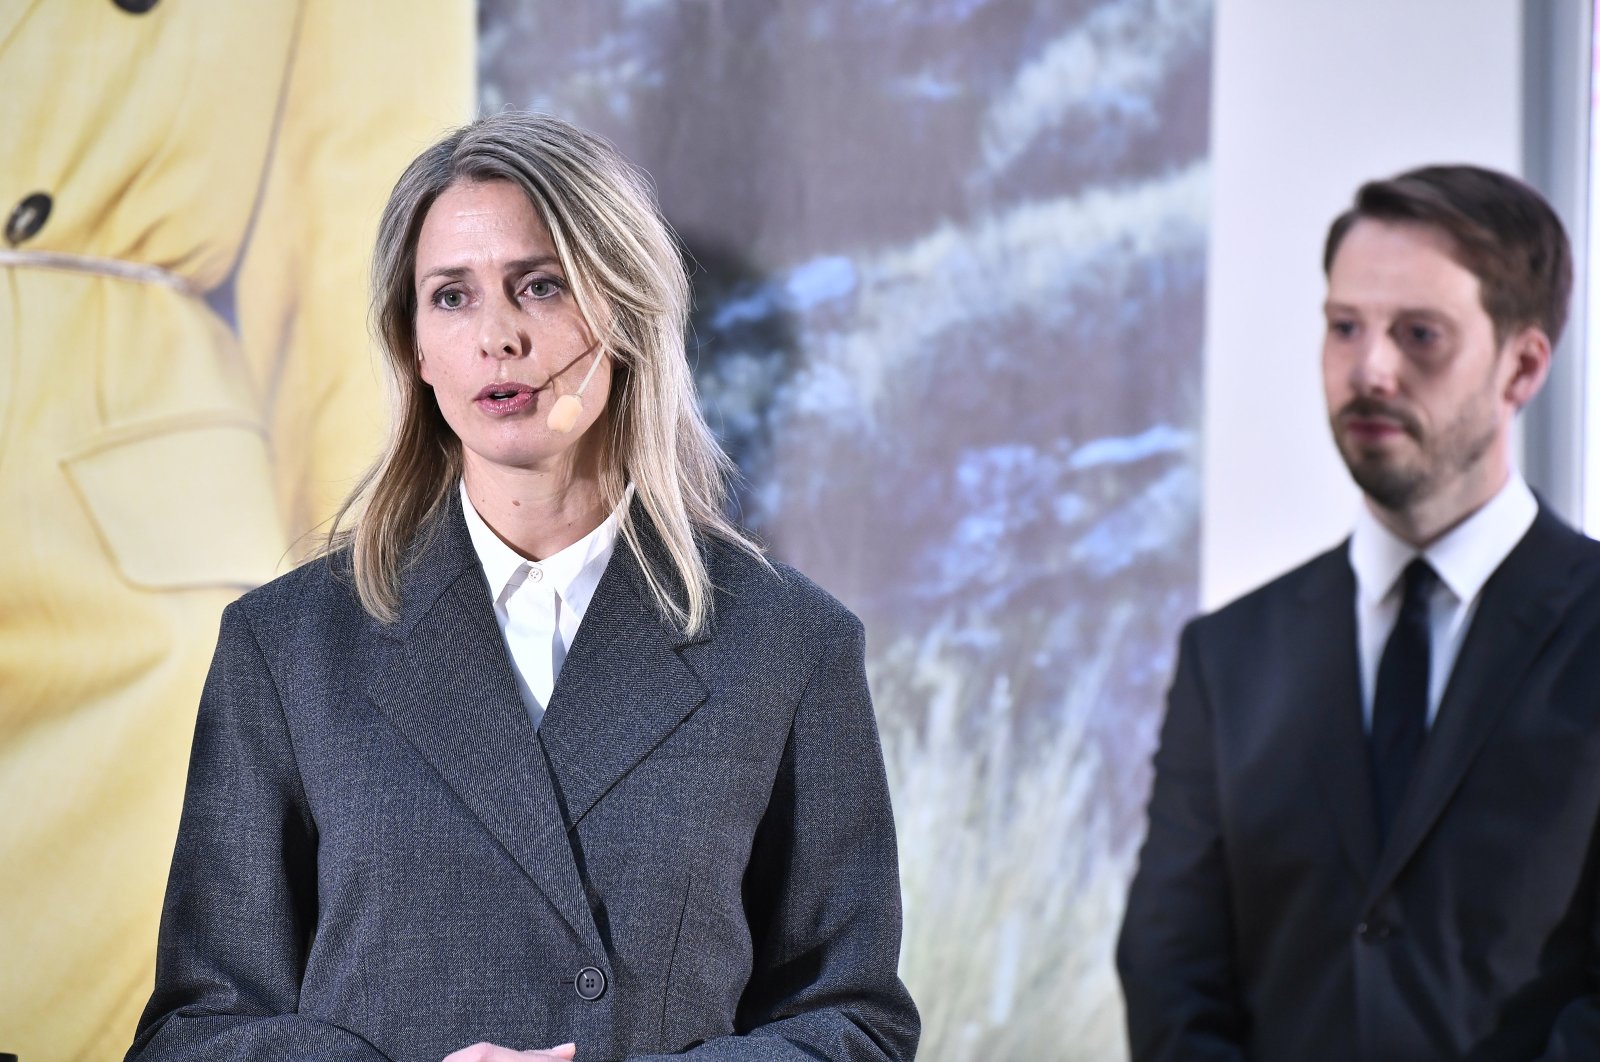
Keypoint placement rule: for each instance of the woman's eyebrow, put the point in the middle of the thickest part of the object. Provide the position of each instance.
(523, 265)
(451, 272)
(519, 265)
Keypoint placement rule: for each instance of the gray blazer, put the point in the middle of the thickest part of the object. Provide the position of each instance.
(379, 858)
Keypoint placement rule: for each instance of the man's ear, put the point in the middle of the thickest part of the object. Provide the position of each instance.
(1529, 354)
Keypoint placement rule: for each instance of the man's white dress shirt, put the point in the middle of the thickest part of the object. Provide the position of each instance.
(540, 604)
(1463, 558)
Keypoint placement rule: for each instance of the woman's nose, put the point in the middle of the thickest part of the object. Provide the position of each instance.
(503, 336)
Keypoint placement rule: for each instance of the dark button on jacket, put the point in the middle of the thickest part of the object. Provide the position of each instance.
(591, 983)
(27, 218)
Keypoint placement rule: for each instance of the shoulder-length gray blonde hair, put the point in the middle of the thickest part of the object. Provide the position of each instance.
(627, 277)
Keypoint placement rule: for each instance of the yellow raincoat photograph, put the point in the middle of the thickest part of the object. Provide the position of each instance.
(188, 192)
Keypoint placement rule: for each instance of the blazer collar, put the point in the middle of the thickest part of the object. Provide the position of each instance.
(443, 678)
(1520, 611)
(627, 682)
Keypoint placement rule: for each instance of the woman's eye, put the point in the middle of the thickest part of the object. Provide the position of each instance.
(541, 288)
(450, 299)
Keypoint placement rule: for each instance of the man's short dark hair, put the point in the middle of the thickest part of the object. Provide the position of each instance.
(1504, 233)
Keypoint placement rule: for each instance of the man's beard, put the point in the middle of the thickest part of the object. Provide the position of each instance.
(1397, 484)
(1392, 486)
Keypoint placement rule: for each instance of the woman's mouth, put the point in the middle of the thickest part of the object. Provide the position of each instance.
(504, 399)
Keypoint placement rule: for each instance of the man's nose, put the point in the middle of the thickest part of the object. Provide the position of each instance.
(1375, 365)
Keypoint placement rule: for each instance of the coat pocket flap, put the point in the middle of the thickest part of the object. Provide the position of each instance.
(179, 507)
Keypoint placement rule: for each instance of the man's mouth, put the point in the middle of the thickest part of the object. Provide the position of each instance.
(1370, 421)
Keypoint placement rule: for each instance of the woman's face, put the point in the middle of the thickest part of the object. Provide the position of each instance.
(499, 335)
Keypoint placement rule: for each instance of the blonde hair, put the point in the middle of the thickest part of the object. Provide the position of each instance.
(628, 281)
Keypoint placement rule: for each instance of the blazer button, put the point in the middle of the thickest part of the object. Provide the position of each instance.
(136, 7)
(27, 218)
(590, 983)
(1374, 931)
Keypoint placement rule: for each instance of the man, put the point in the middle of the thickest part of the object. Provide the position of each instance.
(1373, 827)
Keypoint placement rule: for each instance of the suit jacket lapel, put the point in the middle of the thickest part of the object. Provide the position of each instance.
(1519, 611)
(625, 685)
(1338, 740)
(443, 679)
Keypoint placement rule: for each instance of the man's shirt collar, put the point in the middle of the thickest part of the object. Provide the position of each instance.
(1464, 557)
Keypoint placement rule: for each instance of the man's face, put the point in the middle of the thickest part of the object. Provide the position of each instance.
(1418, 391)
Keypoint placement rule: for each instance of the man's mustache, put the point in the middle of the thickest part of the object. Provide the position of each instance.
(1365, 407)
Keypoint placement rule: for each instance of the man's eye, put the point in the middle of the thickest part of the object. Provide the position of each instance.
(1342, 329)
(1419, 335)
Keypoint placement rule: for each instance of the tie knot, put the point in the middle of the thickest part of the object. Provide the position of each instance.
(1419, 579)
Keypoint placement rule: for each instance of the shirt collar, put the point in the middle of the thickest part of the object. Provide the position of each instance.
(1464, 557)
(573, 573)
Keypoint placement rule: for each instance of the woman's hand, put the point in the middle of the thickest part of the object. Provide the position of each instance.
(491, 1053)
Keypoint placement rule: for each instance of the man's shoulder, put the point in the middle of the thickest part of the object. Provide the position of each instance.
(1552, 540)
(1327, 577)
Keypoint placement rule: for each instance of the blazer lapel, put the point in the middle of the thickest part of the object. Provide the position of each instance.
(1520, 609)
(1338, 740)
(625, 685)
(444, 681)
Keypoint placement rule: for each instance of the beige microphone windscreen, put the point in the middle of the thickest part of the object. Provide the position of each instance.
(564, 414)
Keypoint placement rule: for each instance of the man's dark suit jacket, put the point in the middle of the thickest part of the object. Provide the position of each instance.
(379, 858)
(1265, 922)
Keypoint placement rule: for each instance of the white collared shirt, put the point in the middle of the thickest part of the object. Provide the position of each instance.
(539, 604)
(1463, 558)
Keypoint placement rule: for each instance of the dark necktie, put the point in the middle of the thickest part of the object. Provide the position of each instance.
(1400, 702)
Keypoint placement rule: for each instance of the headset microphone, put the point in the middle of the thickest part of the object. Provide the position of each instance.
(568, 408)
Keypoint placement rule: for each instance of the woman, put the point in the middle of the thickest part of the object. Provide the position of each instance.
(543, 753)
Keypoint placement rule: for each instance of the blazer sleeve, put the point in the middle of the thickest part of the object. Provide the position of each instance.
(241, 899)
(823, 891)
(1175, 953)
(1576, 1033)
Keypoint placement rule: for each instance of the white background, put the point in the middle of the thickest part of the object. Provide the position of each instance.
(1313, 97)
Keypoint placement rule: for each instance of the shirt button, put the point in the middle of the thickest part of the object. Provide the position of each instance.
(535, 573)
(27, 218)
(590, 983)
(136, 7)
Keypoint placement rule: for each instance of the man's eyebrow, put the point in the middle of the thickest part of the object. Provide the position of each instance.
(1332, 306)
